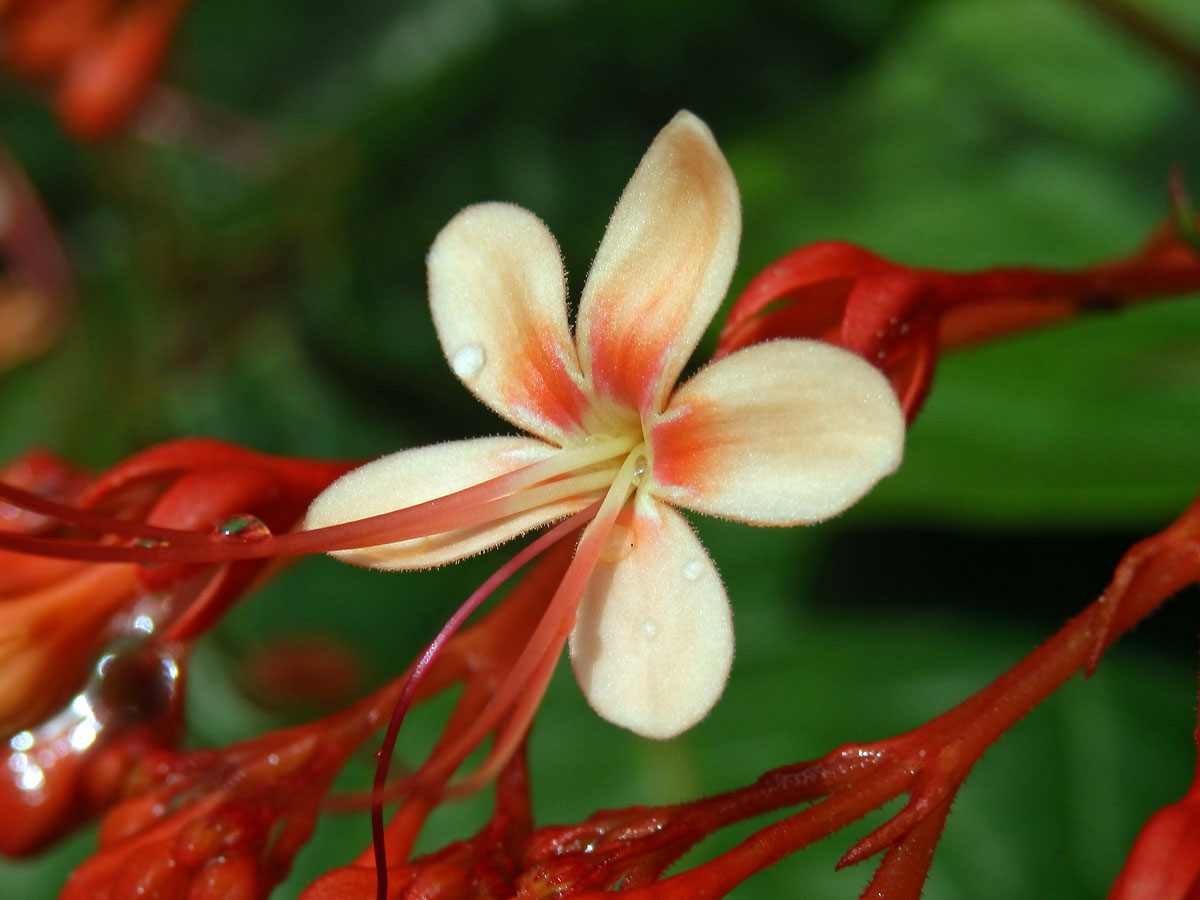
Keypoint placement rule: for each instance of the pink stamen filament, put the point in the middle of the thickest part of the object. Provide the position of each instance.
(513, 729)
(489, 500)
(90, 520)
(551, 633)
(425, 663)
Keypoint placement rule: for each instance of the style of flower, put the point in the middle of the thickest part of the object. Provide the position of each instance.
(782, 433)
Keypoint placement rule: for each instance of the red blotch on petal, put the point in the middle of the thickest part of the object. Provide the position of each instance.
(682, 445)
(543, 384)
(628, 360)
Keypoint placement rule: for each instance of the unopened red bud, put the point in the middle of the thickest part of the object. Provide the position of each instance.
(1165, 861)
(440, 881)
(108, 79)
(41, 38)
(150, 874)
(132, 817)
(198, 842)
(36, 793)
(226, 878)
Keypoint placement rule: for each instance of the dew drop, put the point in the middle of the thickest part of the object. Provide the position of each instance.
(150, 543)
(649, 628)
(467, 362)
(693, 570)
(32, 779)
(132, 684)
(640, 466)
(618, 545)
(244, 528)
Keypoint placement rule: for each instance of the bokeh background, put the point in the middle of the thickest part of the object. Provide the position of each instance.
(257, 275)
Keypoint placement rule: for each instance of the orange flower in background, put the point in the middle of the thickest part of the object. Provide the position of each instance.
(100, 58)
(37, 289)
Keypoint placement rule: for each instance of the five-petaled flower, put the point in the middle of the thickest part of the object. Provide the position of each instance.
(782, 433)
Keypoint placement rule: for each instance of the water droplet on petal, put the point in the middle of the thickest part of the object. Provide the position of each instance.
(467, 362)
(244, 528)
(641, 466)
(693, 570)
(618, 545)
(649, 628)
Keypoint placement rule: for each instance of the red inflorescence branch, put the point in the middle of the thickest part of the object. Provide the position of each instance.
(629, 849)
(901, 317)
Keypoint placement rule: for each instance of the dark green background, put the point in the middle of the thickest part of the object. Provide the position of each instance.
(266, 286)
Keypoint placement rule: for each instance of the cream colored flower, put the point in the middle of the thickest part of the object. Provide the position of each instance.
(782, 433)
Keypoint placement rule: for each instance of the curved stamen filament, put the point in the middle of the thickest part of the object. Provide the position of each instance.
(513, 729)
(425, 663)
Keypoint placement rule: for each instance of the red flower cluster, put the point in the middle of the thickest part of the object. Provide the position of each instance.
(900, 317)
(93, 652)
(99, 58)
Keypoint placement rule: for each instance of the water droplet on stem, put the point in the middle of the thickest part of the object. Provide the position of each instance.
(244, 527)
(150, 543)
(618, 545)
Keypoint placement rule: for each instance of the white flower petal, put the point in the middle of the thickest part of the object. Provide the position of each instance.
(409, 477)
(780, 433)
(662, 269)
(498, 297)
(653, 637)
